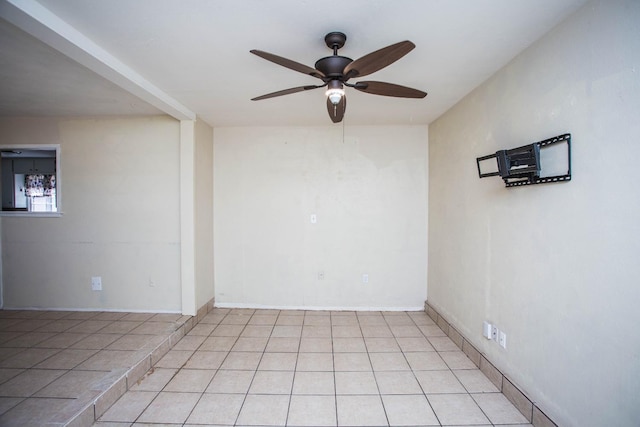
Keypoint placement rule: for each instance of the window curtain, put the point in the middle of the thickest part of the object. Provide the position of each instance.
(39, 185)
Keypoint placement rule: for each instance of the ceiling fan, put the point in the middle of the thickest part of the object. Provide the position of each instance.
(336, 70)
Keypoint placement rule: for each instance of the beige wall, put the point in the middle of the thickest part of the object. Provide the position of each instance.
(203, 213)
(555, 266)
(120, 202)
(369, 192)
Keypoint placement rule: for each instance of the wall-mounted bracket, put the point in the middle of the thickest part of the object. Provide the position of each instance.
(536, 163)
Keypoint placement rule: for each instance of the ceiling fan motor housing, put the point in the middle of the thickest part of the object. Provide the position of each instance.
(333, 66)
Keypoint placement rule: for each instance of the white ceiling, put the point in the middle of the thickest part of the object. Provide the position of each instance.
(192, 56)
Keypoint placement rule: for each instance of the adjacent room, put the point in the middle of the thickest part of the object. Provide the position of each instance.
(198, 229)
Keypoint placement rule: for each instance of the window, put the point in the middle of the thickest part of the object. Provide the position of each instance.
(29, 180)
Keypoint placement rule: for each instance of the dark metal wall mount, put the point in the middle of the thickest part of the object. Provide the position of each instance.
(524, 165)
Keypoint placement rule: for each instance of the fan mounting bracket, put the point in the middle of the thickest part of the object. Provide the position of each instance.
(335, 40)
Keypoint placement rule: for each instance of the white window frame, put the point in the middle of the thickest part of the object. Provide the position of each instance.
(48, 147)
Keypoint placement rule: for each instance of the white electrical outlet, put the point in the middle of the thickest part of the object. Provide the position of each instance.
(320, 275)
(96, 283)
(365, 278)
(502, 339)
(494, 333)
(314, 219)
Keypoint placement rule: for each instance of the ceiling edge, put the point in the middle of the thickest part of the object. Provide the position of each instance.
(36, 20)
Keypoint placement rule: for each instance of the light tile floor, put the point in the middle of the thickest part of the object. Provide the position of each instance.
(54, 363)
(241, 367)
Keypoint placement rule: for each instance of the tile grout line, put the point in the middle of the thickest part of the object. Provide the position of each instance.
(255, 371)
(172, 377)
(375, 377)
(295, 368)
(58, 350)
(185, 327)
(157, 393)
(331, 338)
(414, 374)
(333, 360)
(92, 316)
(187, 361)
(530, 412)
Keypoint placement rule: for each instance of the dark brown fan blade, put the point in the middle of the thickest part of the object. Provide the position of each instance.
(377, 60)
(285, 92)
(336, 112)
(389, 89)
(292, 65)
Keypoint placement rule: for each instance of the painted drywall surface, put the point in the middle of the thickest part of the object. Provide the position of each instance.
(367, 187)
(187, 217)
(555, 266)
(119, 188)
(203, 212)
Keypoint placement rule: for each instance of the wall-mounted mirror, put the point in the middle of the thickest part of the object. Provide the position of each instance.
(29, 179)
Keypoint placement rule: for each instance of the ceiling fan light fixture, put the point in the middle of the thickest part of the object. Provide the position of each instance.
(335, 95)
(335, 92)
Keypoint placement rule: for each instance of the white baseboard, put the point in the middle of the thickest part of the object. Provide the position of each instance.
(313, 308)
(96, 309)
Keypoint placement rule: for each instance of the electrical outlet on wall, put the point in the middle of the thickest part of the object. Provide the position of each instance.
(96, 283)
(502, 339)
(491, 332)
(494, 332)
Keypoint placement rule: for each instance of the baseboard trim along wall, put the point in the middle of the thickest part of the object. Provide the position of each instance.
(313, 308)
(101, 309)
(519, 399)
